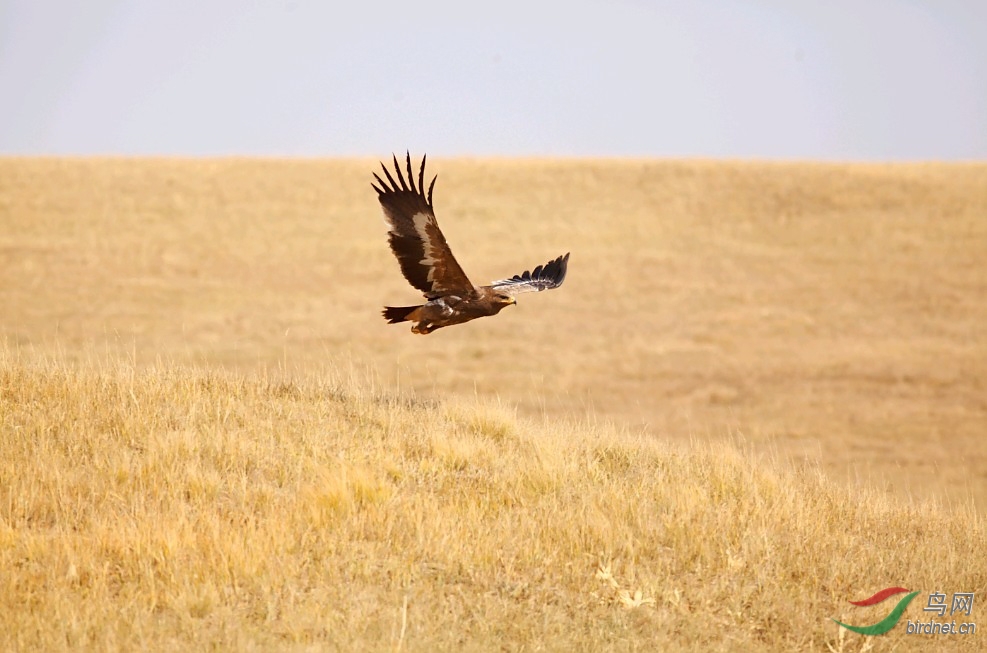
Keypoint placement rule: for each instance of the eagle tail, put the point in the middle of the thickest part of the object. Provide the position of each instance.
(395, 314)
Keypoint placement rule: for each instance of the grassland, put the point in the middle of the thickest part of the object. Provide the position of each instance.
(172, 508)
(760, 393)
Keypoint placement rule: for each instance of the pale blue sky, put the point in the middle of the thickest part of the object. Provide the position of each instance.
(839, 79)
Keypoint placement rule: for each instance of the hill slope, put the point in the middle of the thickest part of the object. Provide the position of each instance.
(180, 508)
(830, 312)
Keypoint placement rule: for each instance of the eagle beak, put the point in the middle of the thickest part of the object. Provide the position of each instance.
(512, 301)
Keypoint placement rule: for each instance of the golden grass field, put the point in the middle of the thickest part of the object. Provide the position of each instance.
(761, 393)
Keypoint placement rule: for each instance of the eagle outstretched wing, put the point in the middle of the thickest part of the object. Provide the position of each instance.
(421, 249)
(544, 277)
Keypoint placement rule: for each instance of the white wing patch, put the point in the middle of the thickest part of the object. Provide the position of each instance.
(421, 222)
(444, 303)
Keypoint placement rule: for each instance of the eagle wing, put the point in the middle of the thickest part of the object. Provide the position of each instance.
(544, 277)
(415, 238)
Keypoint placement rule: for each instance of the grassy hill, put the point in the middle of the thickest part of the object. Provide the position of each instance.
(183, 508)
(831, 313)
(760, 394)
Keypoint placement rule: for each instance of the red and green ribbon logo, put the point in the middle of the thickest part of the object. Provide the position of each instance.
(886, 624)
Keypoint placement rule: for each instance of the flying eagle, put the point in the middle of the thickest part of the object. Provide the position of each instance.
(428, 264)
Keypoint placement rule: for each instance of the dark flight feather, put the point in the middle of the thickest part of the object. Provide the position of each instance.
(544, 277)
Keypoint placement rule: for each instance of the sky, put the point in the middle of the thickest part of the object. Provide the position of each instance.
(873, 80)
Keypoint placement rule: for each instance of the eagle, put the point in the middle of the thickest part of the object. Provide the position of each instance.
(428, 264)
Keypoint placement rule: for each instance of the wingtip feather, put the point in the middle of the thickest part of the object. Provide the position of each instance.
(411, 176)
(383, 188)
(394, 186)
(421, 176)
(399, 184)
(397, 169)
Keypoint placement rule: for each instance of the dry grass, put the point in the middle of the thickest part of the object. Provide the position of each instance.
(739, 322)
(830, 312)
(176, 508)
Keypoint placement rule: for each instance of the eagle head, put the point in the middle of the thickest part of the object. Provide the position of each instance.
(500, 300)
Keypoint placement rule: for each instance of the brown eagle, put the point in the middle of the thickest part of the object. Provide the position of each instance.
(428, 264)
